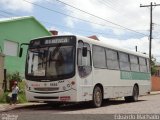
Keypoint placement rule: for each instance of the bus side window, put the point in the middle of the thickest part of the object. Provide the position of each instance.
(143, 65)
(84, 63)
(124, 61)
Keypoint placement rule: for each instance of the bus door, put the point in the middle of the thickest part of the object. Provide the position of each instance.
(85, 70)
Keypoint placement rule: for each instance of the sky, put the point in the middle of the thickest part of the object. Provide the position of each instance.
(121, 23)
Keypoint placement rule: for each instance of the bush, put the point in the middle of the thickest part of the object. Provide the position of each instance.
(14, 77)
(4, 97)
(21, 95)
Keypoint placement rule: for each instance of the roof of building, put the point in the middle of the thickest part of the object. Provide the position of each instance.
(94, 37)
(12, 19)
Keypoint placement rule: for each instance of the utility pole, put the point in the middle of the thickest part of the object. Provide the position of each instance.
(150, 37)
(136, 48)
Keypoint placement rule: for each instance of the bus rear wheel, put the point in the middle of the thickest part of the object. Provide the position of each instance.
(135, 94)
(97, 97)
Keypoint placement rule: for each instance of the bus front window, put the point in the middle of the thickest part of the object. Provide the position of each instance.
(37, 62)
(60, 61)
(50, 62)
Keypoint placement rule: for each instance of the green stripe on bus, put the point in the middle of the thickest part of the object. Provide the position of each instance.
(125, 75)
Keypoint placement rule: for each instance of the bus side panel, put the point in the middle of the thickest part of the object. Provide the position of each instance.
(85, 87)
(114, 86)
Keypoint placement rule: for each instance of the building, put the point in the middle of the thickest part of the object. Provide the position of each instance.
(1, 72)
(13, 32)
(94, 37)
(156, 79)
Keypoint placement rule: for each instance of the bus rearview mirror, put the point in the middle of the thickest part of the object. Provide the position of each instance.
(84, 51)
(20, 52)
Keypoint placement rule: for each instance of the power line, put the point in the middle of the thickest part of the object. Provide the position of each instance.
(151, 26)
(83, 19)
(61, 25)
(63, 13)
(6, 12)
(156, 24)
(95, 32)
(3, 15)
(108, 5)
(100, 18)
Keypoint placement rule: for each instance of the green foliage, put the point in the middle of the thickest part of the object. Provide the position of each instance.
(3, 98)
(153, 66)
(14, 76)
(21, 95)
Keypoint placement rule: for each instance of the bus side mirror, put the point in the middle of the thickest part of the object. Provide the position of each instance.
(20, 52)
(84, 51)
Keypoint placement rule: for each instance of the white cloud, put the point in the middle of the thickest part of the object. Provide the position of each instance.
(126, 13)
(60, 32)
(69, 22)
(142, 44)
(18, 5)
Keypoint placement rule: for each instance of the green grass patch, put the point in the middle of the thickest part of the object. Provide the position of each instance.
(3, 98)
(21, 95)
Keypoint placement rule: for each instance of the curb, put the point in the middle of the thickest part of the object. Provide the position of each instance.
(154, 93)
(7, 107)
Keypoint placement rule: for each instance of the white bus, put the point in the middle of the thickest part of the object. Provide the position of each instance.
(76, 69)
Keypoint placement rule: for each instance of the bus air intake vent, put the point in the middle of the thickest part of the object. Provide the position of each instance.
(46, 97)
(46, 89)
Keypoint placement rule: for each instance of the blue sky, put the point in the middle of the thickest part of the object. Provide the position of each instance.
(126, 13)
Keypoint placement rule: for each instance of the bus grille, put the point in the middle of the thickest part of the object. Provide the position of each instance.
(47, 97)
(47, 89)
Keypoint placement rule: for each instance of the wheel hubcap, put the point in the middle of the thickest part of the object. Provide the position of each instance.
(135, 94)
(98, 98)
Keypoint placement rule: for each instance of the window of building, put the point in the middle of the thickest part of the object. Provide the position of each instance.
(99, 58)
(10, 48)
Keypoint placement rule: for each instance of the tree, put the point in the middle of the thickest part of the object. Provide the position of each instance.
(153, 66)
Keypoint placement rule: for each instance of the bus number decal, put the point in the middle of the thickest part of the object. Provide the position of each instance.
(53, 84)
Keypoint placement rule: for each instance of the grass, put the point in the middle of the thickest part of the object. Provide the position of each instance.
(3, 98)
(21, 95)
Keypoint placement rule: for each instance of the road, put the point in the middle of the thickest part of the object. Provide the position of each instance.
(146, 105)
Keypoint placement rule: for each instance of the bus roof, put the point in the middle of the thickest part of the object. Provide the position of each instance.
(101, 43)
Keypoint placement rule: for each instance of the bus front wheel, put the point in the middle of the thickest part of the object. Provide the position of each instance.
(97, 97)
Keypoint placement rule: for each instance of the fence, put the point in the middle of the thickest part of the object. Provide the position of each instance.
(155, 83)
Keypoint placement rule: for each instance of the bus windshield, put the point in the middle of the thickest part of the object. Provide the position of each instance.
(50, 62)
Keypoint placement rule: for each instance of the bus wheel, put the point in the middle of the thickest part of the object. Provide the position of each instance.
(97, 97)
(135, 94)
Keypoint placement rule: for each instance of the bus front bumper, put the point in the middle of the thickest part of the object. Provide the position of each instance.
(65, 96)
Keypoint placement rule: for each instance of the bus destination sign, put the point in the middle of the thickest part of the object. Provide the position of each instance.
(56, 40)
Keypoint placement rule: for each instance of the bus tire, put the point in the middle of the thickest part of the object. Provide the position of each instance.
(135, 94)
(97, 97)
